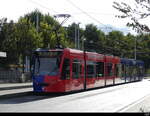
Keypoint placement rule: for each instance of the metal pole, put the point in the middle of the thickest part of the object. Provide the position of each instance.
(135, 49)
(37, 21)
(66, 16)
(84, 51)
(75, 36)
(78, 36)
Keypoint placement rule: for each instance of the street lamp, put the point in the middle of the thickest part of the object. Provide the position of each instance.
(78, 36)
(84, 52)
(135, 49)
(1, 25)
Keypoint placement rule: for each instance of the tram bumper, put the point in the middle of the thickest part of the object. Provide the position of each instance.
(39, 84)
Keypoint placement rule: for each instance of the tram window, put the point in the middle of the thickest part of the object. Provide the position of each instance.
(141, 71)
(130, 71)
(123, 70)
(118, 70)
(76, 69)
(134, 71)
(127, 71)
(66, 69)
(100, 69)
(91, 72)
(138, 70)
(109, 69)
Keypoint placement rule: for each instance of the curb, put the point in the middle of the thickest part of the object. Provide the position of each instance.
(15, 87)
(14, 95)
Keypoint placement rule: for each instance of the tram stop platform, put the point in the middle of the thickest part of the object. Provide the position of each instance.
(11, 90)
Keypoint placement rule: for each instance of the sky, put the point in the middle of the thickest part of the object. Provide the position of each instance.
(97, 12)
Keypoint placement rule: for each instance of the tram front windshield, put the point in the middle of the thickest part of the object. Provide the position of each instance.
(46, 63)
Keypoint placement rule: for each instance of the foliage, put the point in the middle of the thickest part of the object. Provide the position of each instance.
(136, 13)
(94, 38)
(21, 38)
(71, 34)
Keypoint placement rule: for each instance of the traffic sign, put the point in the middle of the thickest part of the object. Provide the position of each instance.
(3, 54)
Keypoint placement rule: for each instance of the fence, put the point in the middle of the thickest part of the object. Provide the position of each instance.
(13, 76)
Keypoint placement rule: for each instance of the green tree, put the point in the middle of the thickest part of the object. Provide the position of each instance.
(94, 38)
(7, 37)
(114, 40)
(129, 47)
(26, 39)
(3, 29)
(48, 27)
(71, 34)
(143, 49)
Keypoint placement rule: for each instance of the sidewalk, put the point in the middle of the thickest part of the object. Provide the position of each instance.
(10, 90)
(142, 106)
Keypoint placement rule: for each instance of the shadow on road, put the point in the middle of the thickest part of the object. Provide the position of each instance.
(31, 97)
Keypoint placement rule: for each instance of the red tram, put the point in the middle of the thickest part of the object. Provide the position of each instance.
(65, 70)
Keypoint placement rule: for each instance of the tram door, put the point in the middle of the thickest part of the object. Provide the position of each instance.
(65, 76)
(109, 73)
(77, 74)
(100, 79)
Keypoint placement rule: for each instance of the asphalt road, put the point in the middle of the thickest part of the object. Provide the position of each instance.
(121, 98)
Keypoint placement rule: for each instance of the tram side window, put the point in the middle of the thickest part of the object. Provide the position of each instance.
(100, 69)
(131, 72)
(118, 70)
(123, 70)
(91, 72)
(66, 69)
(141, 71)
(138, 70)
(128, 71)
(135, 71)
(109, 69)
(76, 69)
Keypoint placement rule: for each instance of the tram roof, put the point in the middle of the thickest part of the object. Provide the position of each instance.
(47, 50)
(132, 62)
(140, 63)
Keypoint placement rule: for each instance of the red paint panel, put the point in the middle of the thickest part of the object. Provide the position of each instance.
(54, 84)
